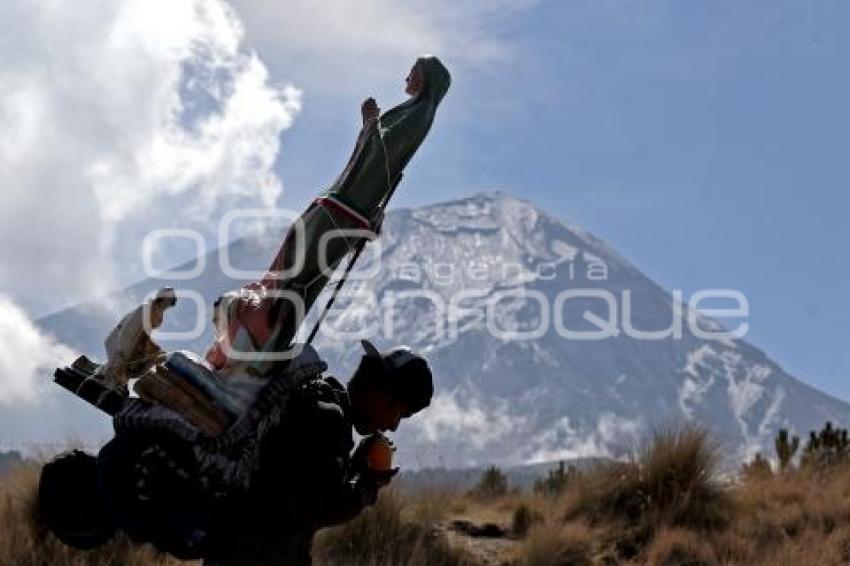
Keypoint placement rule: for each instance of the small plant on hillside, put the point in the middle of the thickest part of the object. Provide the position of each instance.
(786, 448)
(828, 447)
(672, 481)
(757, 468)
(679, 476)
(493, 483)
(557, 480)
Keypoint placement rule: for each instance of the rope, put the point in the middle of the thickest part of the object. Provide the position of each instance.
(336, 226)
(362, 243)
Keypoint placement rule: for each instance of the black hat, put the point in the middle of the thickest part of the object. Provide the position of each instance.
(408, 374)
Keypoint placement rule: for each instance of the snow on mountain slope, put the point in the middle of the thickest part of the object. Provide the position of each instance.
(478, 285)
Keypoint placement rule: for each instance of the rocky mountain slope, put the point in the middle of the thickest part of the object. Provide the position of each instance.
(489, 288)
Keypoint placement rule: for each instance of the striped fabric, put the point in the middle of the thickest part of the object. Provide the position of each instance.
(336, 205)
(231, 458)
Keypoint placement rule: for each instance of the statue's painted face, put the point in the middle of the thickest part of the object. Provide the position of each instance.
(415, 81)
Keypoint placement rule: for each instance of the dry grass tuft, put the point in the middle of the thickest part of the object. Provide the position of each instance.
(779, 516)
(524, 518)
(25, 540)
(431, 506)
(679, 547)
(671, 481)
(679, 476)
(383, 534)
(395, 531)
(558, 545)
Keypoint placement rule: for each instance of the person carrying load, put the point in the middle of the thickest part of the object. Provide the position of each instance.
(254, 488)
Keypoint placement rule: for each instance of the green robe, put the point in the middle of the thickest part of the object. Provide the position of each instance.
(364, 183)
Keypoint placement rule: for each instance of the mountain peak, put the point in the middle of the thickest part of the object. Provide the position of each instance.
(481, 286)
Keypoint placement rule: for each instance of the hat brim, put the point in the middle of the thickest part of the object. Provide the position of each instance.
(370, 349)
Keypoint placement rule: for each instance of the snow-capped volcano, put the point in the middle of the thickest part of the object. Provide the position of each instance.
(496, 293)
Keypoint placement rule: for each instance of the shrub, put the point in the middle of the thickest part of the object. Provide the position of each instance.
(492, 483)
(757, 468)
(679, 477)
(826, 448)
(557, 480)
(786, 447)
(671, 482)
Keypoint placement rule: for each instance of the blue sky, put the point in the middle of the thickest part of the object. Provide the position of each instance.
(706, 141)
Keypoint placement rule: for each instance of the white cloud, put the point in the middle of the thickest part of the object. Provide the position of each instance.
(613, 436)
(448, 419)
(356, 42)
(26, 355)
(118, 118)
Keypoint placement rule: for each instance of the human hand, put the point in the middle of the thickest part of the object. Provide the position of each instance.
(369, 109)
(374, 452)
(372, 463)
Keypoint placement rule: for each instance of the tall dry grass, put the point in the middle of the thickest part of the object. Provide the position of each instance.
(671, 480)
(396, 531)
(667, 507)
(558, 545)
(25, 541)
(680, 547)
(797, 517)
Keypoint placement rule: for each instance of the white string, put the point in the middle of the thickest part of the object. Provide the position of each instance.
(386, 156)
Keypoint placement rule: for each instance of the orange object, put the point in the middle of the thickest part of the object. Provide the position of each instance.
(380, 454)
